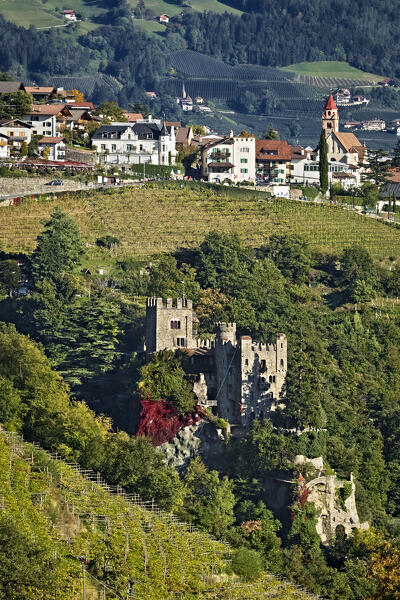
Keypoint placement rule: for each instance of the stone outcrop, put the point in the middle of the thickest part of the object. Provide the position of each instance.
(199, 439)
(333, 498)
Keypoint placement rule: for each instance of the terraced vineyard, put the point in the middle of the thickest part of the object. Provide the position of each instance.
(214, 79)
(330, 83)
(156, 219)
(148, 554)
(85, 83)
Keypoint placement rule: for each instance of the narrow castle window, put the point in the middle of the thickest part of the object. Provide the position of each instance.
(246, 362)
(175, 324)
(263, 365)
(282, 363)
(180, 342)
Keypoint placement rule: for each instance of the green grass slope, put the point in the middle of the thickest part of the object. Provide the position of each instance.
(124, 545)
(331, 68)
(160, 7)
(42, 13)
(153, 219)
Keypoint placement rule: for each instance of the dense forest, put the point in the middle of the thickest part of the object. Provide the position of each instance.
(23, 52)
(273, 33)
(282, 33)
(341, 390)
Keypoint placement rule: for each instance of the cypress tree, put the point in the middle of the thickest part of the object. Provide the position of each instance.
(323, 163)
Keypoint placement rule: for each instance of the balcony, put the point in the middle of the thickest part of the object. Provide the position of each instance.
(218, 154)
(17, 138)
(219, 167)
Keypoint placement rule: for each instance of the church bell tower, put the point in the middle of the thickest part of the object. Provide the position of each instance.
(330, 116)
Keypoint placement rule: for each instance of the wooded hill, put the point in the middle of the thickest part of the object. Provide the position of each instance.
(69, 530)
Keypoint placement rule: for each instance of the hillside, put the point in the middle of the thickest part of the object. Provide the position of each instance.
(105, 540)
(163, 218)
(48, 14)
(331, 69)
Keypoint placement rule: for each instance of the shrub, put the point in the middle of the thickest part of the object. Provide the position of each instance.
(247, 564)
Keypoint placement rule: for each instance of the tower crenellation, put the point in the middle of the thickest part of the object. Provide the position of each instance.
(242, 378)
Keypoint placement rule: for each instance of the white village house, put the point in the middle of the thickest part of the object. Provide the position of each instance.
(230, 160)
(43, 118)
(52, 147)
(17, 132)
(3, 146)
(136, 143)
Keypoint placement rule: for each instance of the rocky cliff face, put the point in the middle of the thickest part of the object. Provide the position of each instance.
(335, 501)
(198, 439)
(333, 498)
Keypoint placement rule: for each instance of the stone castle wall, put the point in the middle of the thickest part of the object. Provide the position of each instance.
(245, 377)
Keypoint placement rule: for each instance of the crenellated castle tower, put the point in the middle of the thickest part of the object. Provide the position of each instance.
(242, 379)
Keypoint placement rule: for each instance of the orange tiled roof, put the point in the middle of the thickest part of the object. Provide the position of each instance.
(31, 89)
(46, 109)
(273, 150)
(50, 140)
(133, 117)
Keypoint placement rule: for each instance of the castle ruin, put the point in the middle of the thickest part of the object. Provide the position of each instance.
(237, 378)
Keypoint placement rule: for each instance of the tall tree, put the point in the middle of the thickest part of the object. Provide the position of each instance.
(377, 165)
(396, 155)
(271, 134)
(15, 104)
(323, 163)
(59, 249)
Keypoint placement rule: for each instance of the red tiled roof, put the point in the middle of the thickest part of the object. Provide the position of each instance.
(133, 117)
(394, 175)
(54, 163)
(46, 109)
(31, 89)
(273, 150)
(88, 105)
(330, 103)
(47, 139)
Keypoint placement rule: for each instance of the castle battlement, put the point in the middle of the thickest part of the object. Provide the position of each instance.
(180, 303)
(242, 378)
(207, 343)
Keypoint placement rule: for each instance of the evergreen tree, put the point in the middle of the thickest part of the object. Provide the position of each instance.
(323, 163)
(24, 149)
(377, 164)
(59, 249)
(9, 276)
(15, 104)
(271, 134)
(396, 155)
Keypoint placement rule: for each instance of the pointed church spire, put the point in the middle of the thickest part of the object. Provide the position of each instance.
(330, 103)
(183, 91)
(330, 116)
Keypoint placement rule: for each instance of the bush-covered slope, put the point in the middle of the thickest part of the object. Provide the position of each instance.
(57, 520)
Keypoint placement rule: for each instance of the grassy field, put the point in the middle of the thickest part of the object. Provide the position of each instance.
(160, 7)
(149, 26)
(41, 14)
(29, 12)
(151, 220)
(330, 68)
